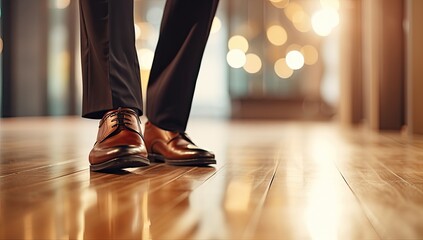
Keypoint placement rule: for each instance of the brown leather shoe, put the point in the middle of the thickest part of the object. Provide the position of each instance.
(174, 148)
(119, 142)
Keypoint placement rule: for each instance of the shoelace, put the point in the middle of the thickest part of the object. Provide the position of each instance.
(122, 118)
(123, 121)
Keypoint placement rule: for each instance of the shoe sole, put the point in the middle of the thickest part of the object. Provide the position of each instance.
(120, 163)
(181, 162)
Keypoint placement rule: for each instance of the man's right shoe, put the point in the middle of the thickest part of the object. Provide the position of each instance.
(174, 148)
(119, 142)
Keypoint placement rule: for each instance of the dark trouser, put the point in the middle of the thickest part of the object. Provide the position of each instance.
(110, 68)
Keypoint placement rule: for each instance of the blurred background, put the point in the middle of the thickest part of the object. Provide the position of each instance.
(351, 61)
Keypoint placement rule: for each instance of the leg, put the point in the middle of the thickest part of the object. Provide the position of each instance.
(184, 32)
(111, 81)
(111, 77)
(183, 36)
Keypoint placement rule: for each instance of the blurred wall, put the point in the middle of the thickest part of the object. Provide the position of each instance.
(38, 74)
(24, 60)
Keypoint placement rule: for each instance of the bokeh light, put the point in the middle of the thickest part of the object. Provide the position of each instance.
(282, 69)
(238, 42)
(277, 35)
(280, 3)
(62, 4)
(301, 21)
(293, 47)
(292, 9)
(145, 30)
(324, 20)
(253, 63)
(295, 60)
(334, 4)
(236, 58)
(216, 25)
(310, 54)
(137, 31)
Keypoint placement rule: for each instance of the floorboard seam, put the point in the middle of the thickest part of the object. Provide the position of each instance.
(253, 223)
(367, 213)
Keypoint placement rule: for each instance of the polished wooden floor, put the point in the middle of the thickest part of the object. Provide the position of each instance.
(273, 180)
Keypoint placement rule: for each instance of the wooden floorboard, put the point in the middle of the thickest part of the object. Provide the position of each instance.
(27, 144)
(309, 199)
(218, 210)
(385, 174)
(273, 180)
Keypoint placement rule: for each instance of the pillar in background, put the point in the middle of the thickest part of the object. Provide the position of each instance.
(351, 89)
(384, 63)
(414, 66)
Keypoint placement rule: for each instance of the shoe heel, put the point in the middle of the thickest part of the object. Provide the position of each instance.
(156, 158)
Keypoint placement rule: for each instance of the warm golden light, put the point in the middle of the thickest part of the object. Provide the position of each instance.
(334, 4)
(280, 3)
(295, 60)
(253, 63)
(145, 30)
(145, 57)
(238, 42)
(216, 25)
(292, 9)
(146, 228)
(238, 195)
(236, 58)
(322, 213)
(282, 69)
(310, 54)
(293, 47)
(301, 21)
(277, 35)
(62, 4)
(323, 21)
(1, 45)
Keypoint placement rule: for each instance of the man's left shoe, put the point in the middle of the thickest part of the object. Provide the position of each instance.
(174, 148)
